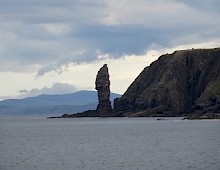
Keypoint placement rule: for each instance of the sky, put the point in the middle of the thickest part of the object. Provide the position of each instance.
(58, 46)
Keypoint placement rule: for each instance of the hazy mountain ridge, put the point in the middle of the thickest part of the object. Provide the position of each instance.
(52, 104)
(48, 110)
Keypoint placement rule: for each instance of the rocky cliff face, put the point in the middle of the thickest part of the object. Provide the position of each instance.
(102, 85)
(186, 81)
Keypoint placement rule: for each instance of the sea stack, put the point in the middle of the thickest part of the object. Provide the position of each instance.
(102, 85)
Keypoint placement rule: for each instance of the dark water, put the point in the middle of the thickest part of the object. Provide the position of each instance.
(37, 143)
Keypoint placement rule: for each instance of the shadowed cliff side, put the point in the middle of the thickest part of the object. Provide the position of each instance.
(185, 82)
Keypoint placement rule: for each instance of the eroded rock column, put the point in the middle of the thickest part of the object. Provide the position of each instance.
(102, 85)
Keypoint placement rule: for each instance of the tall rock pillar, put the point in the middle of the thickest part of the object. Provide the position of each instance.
(102, 85)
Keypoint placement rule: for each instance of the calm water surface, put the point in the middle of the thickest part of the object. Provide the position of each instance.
(37, 143)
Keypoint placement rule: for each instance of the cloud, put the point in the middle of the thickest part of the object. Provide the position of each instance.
(44, 36)
(56, 88)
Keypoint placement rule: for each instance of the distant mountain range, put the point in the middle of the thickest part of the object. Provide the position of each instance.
(52, 104)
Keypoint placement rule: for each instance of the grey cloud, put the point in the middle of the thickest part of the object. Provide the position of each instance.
(57, 67)
(48, 11)
(23, 91)
(47, 69)
(56, 88)
(212, 5)
(44, 36)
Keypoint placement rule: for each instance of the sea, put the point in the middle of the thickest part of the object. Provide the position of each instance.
(38, 143)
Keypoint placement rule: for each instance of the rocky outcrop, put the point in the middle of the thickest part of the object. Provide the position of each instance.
(185, 82)
(102, 85)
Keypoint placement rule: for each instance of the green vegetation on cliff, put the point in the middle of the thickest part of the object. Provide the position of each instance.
(185, 82)
(212, 90)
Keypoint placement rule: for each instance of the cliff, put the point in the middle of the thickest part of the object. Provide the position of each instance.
(185, 82)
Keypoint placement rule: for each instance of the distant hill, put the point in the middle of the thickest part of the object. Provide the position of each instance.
(78, 98)
(52, 104)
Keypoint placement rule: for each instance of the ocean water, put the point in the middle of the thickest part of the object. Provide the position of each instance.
(37, 143)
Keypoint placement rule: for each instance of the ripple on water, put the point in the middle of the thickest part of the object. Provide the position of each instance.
(109, 144)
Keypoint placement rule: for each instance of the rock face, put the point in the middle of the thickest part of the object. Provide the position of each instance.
(185, 82)
(102, 85)
(104, 109)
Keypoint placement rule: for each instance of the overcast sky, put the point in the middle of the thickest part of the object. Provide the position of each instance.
(57, 46)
